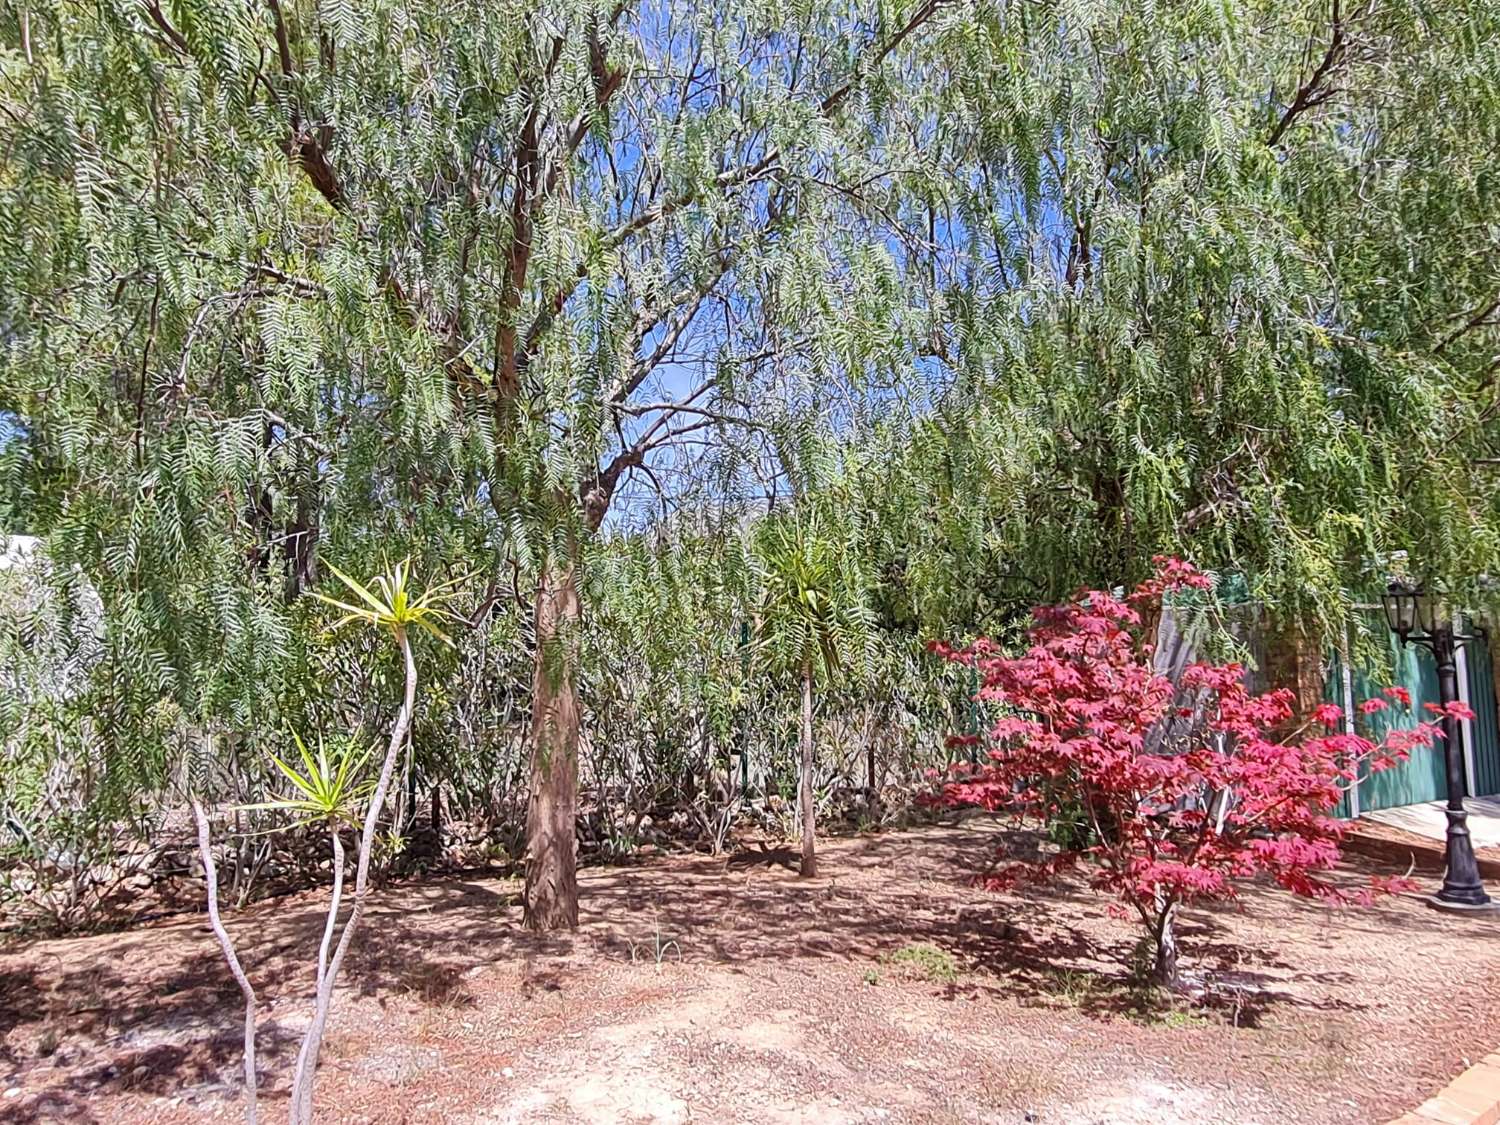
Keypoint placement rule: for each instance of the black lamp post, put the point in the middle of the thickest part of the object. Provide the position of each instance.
(1420, 617)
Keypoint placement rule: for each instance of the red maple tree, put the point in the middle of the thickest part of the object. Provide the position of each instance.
(1184, 789)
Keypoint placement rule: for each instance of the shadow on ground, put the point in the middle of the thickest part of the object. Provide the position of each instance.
(160, 1006)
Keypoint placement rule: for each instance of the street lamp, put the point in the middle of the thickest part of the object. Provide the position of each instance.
(1422, 617)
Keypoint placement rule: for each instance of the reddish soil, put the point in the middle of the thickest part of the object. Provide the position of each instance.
(773, 1000)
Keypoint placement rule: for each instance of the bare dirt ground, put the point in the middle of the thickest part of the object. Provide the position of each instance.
(708, 990)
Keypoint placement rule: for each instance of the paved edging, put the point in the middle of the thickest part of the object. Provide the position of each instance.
(1473, 1098)
(1389, 844)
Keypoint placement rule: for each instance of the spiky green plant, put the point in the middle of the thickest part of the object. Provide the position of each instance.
(392, 606)
(327, 789)
(812, 607)
(812, 615)
(396, 608)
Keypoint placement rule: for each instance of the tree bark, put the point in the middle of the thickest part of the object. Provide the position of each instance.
(809, 867)
(1164, 971)
(211, 882)
(551, 838)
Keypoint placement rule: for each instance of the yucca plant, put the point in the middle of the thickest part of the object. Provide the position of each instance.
(812, 614)
(328, 789)
(390, 606)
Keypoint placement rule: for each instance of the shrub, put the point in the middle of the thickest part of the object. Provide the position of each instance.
(1180, 803)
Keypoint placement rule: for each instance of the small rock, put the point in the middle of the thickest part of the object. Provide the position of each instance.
(13, 1092)
(507, 1072)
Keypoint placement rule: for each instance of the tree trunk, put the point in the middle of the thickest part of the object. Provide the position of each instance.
(1164, 969)
(551, 838)
(334, 898)
(805, 782)
(211, 882)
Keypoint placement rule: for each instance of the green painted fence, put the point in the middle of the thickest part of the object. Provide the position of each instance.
(1423, 777)
(1486, 724)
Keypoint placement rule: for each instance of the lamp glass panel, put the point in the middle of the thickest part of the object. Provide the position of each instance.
(1432, 611)
(1401, 609)
(1395, 610)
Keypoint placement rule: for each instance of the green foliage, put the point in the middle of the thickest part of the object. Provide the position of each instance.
(1234, 343)
(421, 279)
(1068, 823)
(1009, 297)
(328, 788)
(395, 607)
(811, 611)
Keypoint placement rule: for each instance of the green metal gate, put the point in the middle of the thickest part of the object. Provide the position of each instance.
(1486, 724)
(1423, 777)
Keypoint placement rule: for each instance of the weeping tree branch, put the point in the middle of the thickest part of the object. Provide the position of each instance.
(158, 17)
(642, 369)
(305, 145)
(598, 490)
(1478, 319)
(870, 60)
(308, 147)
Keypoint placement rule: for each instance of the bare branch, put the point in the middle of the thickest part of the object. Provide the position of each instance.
(1314, 91)
(226, 944)
(292, 431)
(158, 17)
(597, 492)
(1478, 320)
(643, 367)
(680, 408)
(877, 53)
(305, 146)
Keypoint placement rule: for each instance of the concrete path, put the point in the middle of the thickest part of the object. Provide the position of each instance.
(1428, 820)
